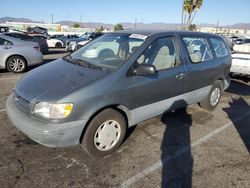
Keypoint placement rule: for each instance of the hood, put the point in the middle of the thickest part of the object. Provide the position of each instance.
(55, 80)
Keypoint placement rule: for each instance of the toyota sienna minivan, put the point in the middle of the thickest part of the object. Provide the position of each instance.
(92, 96)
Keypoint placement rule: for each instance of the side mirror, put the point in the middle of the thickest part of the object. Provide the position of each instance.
(144, 70)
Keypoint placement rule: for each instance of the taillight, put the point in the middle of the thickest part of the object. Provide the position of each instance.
(37, 48)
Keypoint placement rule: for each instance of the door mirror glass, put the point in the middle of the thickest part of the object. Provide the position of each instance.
(144, 70)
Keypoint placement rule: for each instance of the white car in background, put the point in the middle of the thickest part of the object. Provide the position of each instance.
(74, 45)
(82, 40)
(241, 60)
(54, 43)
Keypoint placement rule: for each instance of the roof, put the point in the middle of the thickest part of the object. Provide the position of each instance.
(153, 32)
(13, 40)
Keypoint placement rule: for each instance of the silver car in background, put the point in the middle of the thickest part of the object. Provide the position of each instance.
(16, 55)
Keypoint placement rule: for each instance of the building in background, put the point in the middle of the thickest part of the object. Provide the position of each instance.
(52, 28)
(221, 30)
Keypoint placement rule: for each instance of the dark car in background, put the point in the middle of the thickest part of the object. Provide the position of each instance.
(95, 94)
(42, 42)
(4, 29)
(37, 30)
(242, 41)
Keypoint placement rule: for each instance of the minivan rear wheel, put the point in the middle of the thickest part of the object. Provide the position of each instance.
(105, 133)
(213, 98)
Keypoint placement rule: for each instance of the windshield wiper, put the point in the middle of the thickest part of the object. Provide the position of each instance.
(69, 59)
(81, 62)
(87, 64)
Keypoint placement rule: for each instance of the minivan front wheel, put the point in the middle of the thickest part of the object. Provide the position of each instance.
(213, 98)
(105, 133)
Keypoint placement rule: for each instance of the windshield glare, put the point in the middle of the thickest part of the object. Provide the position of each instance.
(109, 50)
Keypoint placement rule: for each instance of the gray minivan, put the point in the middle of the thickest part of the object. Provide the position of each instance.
(95, 94)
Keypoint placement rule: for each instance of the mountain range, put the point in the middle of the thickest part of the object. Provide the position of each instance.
(128, 25)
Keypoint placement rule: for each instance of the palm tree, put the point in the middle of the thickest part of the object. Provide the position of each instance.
(189, 10)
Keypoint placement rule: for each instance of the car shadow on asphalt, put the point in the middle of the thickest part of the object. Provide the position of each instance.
(239, 88)
(176, 154)
(45, 61)
(236, 109)
(3, 71)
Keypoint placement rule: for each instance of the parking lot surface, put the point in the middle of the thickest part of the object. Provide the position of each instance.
(186, 148)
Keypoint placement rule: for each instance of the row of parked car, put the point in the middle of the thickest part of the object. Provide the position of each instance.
(19, 50)
(71, 42)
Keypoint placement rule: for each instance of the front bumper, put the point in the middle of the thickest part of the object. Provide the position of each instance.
(50, 135)
(240, 70)
(71, 47)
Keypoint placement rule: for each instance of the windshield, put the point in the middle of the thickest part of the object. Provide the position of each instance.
(110, 50)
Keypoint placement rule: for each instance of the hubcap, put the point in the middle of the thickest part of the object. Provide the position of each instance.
(215, 97)
(16, 65)
(107, 135)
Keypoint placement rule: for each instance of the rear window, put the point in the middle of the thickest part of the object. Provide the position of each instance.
(198, 49)
(219, 47)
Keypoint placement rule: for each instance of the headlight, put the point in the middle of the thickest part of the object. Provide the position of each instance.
(53, 111)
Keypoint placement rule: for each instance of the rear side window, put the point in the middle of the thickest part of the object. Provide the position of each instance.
(198, 49)
(5, 42)
(219, 47)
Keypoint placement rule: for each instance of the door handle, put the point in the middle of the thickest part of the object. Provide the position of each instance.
(7, 47)
(180, 76)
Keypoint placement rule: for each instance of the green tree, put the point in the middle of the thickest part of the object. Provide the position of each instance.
(118, 27)
(192, 27)
(76, 25)
(189, 10)
(101, 29)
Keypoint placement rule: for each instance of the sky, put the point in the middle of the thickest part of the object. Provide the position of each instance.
(227, 12)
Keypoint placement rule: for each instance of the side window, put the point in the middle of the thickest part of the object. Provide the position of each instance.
(5, 42)
(162, 53)
(134, 44)
(219, 46)
(198, 49)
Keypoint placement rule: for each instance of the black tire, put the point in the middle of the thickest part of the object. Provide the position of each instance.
(90, 145)
(207, 103)
(21, 64)
(58, 45)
